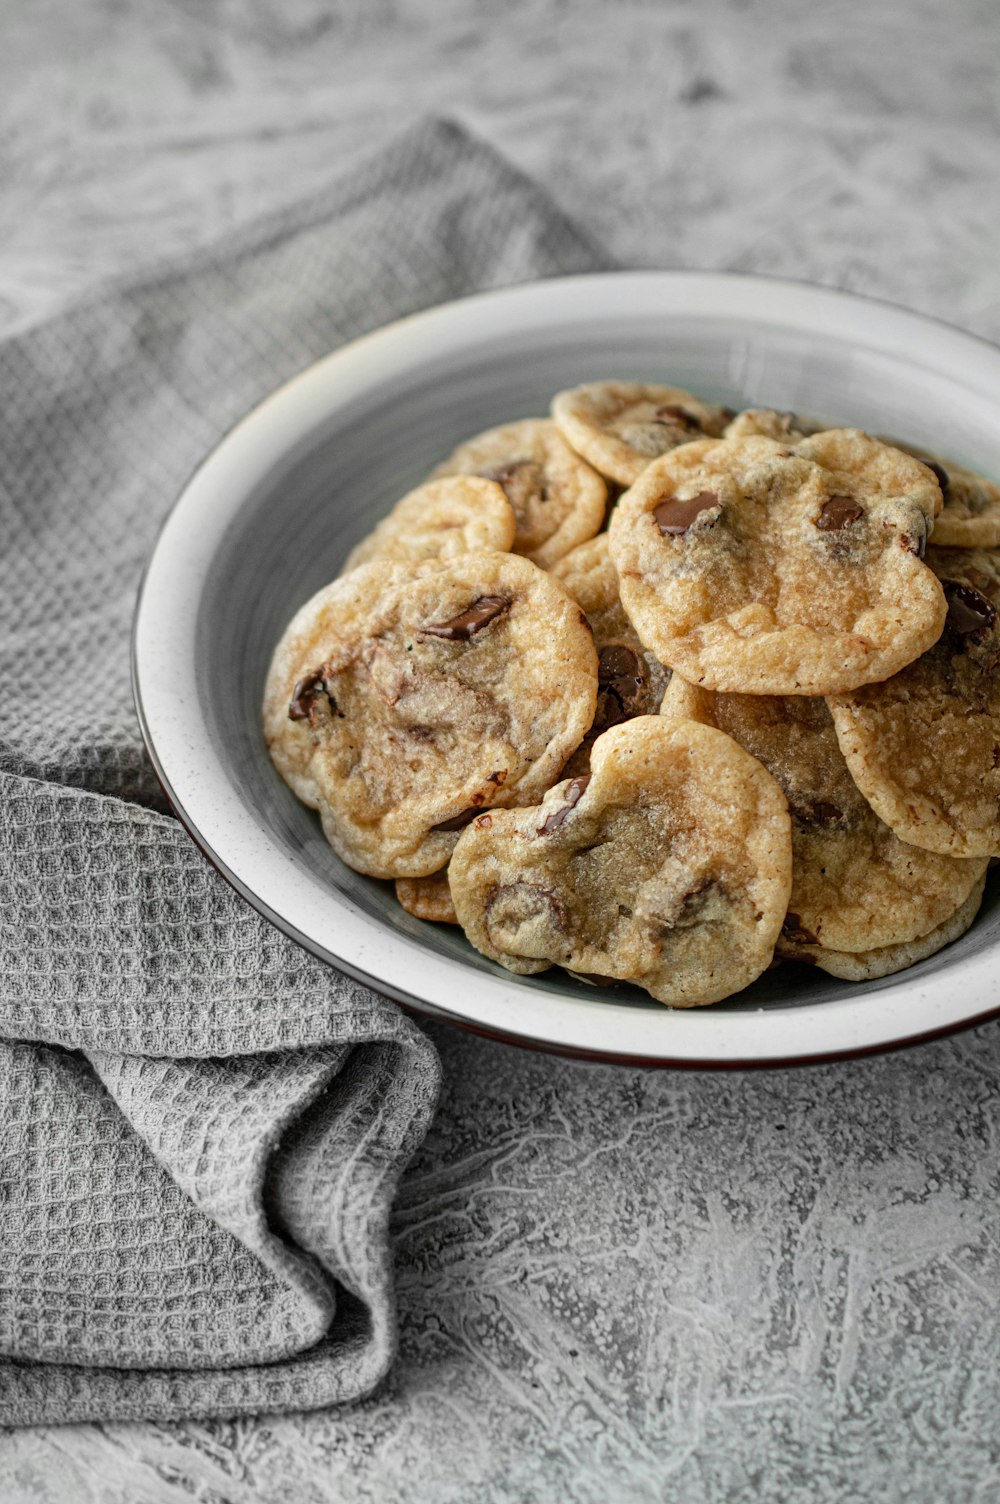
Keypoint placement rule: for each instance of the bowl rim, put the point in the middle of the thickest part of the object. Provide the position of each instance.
(905, 1011)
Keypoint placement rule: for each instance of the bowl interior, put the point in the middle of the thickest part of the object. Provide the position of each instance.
(309, 505)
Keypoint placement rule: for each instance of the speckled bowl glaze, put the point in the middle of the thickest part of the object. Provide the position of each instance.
(270, 515)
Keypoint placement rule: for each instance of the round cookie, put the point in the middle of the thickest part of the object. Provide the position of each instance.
(620, 426)
(868, 965)
(924, 746)
(404, 698)
(443, 518)
(427, 897)
(558, 501)
(759, 568)
(855, 886)
(970, 516)
(668, 866)
(631, 680)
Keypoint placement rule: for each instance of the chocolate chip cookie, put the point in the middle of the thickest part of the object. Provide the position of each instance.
(924, 746)
(406, 698)
(558, 500)
(460, 515)
(427, 897)
(760, 568)
(620, 426)
(631, 679)
(772, 423)
(867, 965)
(855, 886)
(970, 517)
(668, 866)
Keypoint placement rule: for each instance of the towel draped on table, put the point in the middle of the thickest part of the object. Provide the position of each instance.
(201, 1125)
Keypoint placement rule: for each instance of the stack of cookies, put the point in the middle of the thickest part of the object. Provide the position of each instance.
(660, 693)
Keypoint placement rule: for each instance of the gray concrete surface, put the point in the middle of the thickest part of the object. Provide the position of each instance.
(613, 1285)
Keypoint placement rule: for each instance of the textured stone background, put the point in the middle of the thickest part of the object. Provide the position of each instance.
(613, 1285)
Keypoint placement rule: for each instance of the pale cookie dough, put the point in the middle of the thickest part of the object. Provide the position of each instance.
(620, 426)
(631, 680)
(427, 897)
(669, 866)
(760, 568)
(404, 698)
(924, 746)
(558, 501)
(970, 517)
(868, 965)
(460, 515)
(855, 885)
(771, 423)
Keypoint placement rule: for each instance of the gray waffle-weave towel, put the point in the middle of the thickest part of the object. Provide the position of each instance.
(201, 1126)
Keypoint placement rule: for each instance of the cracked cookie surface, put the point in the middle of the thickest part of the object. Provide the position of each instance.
(924, 746)
(668, 866)
(557, 499)
(443, 518)
(619, 427)
(855, 885)
(405, 698)
(755, 567)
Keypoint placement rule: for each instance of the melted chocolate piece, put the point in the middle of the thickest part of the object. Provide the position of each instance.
(574, 793)
(943, 478)
(305, 695)
(839, 513)
(470, 621)
(793, 929)
(675, 515)
(459, 822)
(621, 675)
(671, 413)
(970, 614)
(916, 546)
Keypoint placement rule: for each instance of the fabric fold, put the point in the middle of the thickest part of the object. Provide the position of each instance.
(202, 1125)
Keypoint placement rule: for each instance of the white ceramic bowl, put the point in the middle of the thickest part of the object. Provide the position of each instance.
(271, 513)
